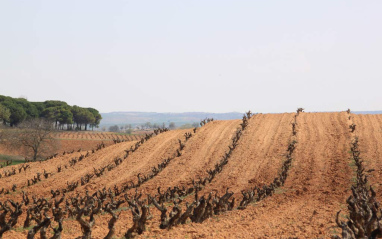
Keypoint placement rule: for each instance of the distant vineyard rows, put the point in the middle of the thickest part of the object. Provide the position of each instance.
(176, 205)
(96, 136)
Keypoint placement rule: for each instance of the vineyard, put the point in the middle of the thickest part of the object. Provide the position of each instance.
(94, 135)
(297, 175)
(81, 140)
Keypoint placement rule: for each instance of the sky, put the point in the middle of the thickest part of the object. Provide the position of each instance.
(194, 56)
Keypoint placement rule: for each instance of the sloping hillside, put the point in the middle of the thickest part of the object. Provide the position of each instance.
(316, 187)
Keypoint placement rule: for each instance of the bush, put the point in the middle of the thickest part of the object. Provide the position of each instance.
(114, 128)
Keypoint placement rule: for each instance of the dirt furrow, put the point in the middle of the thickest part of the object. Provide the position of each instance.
(72, 174)
(202, 152)
(369, 132)
(317, 187)
(258, 156)
(318, 181)
(147, 156)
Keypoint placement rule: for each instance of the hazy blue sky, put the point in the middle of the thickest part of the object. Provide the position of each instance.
(178, 56)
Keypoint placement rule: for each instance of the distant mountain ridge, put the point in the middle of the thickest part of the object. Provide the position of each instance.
(137, 118)
(368, 112)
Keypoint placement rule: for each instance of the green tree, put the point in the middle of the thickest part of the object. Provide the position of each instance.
(20, 109)
(97, 117)
(66, 117)
(40, 106)
(51, 113)
(172, 125)
(29, 108)
(76, 111)
(18, 113)
(5, 114)
(87, 118)
(55, 103)
(80, 116)
(61, 115)
(58, 111)
(128, 128)
(114, 128)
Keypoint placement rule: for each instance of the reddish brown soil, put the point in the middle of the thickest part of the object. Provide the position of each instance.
(86, 140)
(316, 189)
(317, 186)
(369, 132)
(202, 152)
(83, 145)
(259, 155)
(94, 135)
(148, 155)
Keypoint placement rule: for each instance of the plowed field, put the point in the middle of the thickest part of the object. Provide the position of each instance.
(88, 140)
(317, 185)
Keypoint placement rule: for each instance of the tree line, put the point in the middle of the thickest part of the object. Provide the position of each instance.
(14, 111)
(128, 128)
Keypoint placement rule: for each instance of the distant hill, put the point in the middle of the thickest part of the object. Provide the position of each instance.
(136, 118)
(367, 112)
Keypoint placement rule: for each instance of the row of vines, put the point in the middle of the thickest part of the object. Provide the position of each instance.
(176, 205)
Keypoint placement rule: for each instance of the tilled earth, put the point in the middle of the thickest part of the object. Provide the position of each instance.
(316, 188)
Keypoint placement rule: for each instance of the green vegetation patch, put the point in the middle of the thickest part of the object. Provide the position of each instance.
(15, 159)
